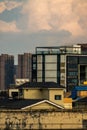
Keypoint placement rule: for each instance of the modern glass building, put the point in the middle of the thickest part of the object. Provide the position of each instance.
(65, 65)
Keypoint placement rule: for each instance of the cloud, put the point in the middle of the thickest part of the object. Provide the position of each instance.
(8, 27)
(56, 15)
(47, 14)
(79, 8)
(9, 5)
(50, 15)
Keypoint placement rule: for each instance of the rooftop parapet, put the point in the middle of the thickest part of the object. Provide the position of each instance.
(59, 50)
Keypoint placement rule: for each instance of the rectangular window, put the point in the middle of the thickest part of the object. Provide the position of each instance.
(57, 97)
(51, 58)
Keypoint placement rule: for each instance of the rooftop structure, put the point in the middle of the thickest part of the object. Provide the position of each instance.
(59, 50)
(40, 85)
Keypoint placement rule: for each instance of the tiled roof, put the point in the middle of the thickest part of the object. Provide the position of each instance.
(16, 103)
(23, 103)
(40, 85)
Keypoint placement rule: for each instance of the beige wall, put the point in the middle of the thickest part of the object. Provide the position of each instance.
(53, 92)
(42, 120)
(43, 106)
(35, 93)
(48, 94)
(12, 90)
(67, 103)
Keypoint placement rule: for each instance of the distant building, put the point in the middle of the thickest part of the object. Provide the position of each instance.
(20, 81)
(24, 66)
(6, 71)
(65, 65)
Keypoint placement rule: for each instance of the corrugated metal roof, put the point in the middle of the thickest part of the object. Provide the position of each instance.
(80, 88)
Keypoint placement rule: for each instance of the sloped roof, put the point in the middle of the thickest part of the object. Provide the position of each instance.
(44, 101)
(16, 103)
(23, 103)
(40, 85)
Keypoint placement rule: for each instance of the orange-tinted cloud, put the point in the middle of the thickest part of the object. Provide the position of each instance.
(56, 15)
(8, 27)
(79, 8)
(51, 15)
(9, 5)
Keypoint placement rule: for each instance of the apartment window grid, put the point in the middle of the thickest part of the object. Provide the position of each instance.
(47, 68)
(72, 72)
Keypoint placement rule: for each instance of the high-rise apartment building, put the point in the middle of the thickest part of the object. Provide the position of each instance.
(24, 66)
(6, 71)
(65, 65)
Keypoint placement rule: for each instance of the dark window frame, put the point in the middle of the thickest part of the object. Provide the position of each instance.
(58, 97)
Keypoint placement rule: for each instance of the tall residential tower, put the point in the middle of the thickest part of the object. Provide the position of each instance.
(24, 66)
(6, 71)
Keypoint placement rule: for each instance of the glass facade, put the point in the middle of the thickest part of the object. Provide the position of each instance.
(34, 68)
(72, 71)
(50, 68)
(76, 71)
(66, 69)
(46, 68)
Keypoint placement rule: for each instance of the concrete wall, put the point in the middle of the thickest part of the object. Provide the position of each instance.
(53, 92)
(35, 93)
(12, 90)
(42, 120)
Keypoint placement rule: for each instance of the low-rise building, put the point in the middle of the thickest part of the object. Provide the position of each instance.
(42, 90)
(37, 95)
(21, 81)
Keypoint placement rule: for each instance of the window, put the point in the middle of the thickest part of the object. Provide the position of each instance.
(57, 97)
(34, 66)
(34, 58)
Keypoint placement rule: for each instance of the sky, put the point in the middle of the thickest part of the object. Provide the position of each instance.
(26, 24)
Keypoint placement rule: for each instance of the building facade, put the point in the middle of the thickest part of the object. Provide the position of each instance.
(24, 66)
(6, 71)
(47, 91)
(65, 65)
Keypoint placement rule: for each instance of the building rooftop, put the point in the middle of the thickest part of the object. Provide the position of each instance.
(69, 49)
(24, 103)
(40, 85)
(80, 88)
(59, 50)
(17, 103)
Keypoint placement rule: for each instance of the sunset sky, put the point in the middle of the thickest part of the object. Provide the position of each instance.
(25, 24)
